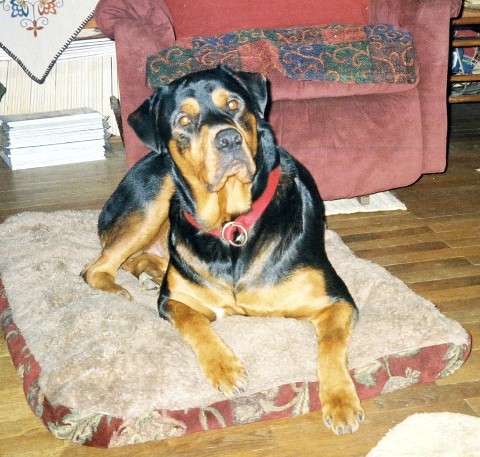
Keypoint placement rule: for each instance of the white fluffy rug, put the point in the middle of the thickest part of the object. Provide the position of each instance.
(432, 435)
(382, 201)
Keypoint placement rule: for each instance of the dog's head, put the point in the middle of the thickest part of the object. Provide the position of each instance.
(208, 123)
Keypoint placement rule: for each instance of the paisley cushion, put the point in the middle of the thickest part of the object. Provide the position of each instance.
(356, 54)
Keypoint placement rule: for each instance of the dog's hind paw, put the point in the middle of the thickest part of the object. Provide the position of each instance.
(104, 281)
(124, 293)
(147, 282)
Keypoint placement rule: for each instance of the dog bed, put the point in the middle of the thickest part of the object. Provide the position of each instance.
(102, 371)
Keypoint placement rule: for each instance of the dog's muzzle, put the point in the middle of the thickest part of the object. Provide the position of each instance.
(235, 158)
(228, 141)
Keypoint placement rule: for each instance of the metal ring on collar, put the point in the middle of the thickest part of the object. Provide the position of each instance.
(241, 239)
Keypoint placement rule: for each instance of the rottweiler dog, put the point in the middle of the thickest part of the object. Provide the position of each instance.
(227, 223)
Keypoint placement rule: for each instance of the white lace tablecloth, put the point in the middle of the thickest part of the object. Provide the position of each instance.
(35, 32)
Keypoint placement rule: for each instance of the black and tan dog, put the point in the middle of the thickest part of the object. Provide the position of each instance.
(226, 222)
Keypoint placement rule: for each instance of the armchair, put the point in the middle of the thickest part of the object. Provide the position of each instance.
(356, 139)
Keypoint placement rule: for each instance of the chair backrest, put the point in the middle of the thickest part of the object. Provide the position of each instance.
(208, 17)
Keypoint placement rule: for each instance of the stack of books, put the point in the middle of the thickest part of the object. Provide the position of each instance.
(53, 138)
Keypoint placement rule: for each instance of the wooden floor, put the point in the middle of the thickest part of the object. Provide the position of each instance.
(434, 247)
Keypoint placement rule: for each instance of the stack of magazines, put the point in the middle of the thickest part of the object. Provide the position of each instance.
(53, 138)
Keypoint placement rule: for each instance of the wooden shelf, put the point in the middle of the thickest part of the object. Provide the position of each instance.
(464, 78)
(468, 17)
(464, 98)
(91, 24)
(90, 31)
(465, 42)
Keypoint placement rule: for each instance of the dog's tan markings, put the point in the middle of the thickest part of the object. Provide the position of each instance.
(248, 123)
(238, 197)
(257, 267)
(190, 106)
(249, 131)
(205, 303)
(185, 161)
(111, 235)
(213, 299)
(213, 208)
(131, 237)
(155, 261)
(193, 166)
(220, 194)
(149, 263)
(201, 268)
(204, 148)
(220, 97)
(298, 296)
(219, 364)
(341, 407)
(303, 296)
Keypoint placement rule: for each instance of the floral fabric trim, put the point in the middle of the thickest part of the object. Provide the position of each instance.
(31, 15)
(343, 53)
(392, 372)
(35, 32)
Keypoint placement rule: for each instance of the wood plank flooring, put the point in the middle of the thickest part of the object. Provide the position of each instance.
(434, 247)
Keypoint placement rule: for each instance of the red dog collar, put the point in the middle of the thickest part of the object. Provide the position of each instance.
(236, 231)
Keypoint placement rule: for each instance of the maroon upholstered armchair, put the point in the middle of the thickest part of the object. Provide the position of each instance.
(356, 139)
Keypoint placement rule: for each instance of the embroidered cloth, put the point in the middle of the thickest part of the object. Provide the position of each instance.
(35, 32)
(352, 54)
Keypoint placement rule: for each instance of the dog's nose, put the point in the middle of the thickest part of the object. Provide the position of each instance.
(228, 140)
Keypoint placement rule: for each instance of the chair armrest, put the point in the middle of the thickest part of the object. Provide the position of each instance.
(428, 22)
(150, 16)
(403, 13)
(140, 28)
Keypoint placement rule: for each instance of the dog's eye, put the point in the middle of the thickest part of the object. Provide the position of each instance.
(233, 105)
(184, 121)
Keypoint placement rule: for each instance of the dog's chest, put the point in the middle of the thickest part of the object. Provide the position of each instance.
(295, 295)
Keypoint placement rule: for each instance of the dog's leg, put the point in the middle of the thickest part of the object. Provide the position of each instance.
(101, 273)
(341, 407)
(153, 265)
(125, 239)
(217, 361)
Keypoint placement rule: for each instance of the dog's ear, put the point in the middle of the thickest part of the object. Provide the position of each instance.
(144, 123)
(255, 84)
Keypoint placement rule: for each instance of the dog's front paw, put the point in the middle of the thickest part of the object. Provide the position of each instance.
(342, 412)
(226, 374)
